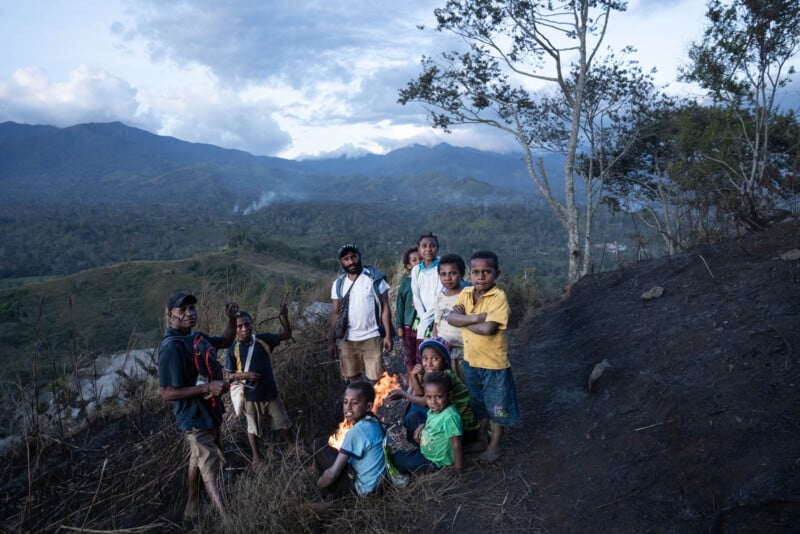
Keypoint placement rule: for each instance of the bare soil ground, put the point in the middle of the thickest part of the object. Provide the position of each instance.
(692, 428)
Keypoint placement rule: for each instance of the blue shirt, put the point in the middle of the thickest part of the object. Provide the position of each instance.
(364, 445)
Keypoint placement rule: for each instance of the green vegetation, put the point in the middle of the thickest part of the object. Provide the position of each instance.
(121, 306)
(116, 276)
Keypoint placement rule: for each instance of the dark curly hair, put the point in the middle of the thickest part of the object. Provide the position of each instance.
(364, 388)
(429, 235)
(407, 254)
(453, 259)
(486, 255)
(439, 378)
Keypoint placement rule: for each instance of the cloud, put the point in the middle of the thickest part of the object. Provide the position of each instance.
(205, 112)
(256, 40)
(315, 64)
(87, 95)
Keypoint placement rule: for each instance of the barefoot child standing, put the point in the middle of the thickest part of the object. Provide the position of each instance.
(425, 284)
(405, 314)
(482, 313)
(451, 277)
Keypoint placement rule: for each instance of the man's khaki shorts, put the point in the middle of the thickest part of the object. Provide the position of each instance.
(257, 411)
(362, 357)
(205, 452)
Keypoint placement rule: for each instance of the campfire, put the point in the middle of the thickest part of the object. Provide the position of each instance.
(383, 386)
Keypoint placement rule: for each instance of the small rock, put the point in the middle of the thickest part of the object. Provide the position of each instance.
(653, 293)
(791, 255)
(597, 372)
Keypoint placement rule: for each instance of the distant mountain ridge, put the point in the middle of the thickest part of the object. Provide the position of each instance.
(115, 163)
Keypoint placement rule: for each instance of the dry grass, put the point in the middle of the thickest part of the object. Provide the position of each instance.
(127, 471)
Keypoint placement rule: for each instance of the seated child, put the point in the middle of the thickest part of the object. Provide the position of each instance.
(436, 358)
(362, 448)
(451, 276)
(439, 436)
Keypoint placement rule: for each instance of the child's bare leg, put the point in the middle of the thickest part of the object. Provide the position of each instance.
(253, 439)
(192, 509)
(409, 389)
(459, 370)
(480, 444)
(216, 499)
(492, 452)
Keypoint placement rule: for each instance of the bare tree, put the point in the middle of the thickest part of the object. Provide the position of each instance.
(515, 47)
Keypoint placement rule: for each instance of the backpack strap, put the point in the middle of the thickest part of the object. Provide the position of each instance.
(372, 418)
(340, 284)
(198, 339)
(239, 366)
(377, 277)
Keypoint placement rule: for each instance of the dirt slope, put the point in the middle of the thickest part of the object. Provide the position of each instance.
(694, 427)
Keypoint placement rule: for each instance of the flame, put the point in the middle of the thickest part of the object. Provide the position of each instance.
(383, 386)
(337, 437)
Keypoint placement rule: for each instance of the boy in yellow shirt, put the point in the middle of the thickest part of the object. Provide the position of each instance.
(482, 314)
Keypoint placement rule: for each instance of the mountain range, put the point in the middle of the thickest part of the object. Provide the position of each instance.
(117, 165)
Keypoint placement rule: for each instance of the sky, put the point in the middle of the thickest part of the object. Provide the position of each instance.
(294, 79)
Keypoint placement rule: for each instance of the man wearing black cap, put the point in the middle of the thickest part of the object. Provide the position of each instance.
(191, 377)
(361, 292)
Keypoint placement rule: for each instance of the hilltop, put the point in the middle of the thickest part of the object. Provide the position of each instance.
(692, 428)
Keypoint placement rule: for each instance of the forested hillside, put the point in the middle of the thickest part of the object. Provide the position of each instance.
(119, 166)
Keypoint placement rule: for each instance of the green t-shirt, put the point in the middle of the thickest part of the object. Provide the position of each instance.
(435, 440)
(460, 399)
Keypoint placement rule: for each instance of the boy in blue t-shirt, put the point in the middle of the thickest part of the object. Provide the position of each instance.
(362, 448)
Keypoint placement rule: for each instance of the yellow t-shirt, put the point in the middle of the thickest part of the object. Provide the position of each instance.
(486, 352)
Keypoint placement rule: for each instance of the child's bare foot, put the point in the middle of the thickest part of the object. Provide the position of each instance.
(489, 456)
(256, 462)
(321, 507)
(191, 512)
(476, 446)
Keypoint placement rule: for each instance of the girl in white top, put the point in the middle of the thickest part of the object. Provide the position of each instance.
(425, 284)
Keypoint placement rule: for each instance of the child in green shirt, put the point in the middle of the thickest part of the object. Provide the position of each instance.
(439, 436)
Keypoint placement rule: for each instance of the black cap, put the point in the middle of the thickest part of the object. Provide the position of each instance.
(179, 299)
(348, 247)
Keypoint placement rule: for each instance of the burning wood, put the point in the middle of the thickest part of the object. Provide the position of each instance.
(383, 386)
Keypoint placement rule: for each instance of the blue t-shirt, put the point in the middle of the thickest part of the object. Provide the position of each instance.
(364, 445)
(264, 389)
(177, 369)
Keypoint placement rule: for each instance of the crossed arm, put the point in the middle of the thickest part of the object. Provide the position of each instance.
(474, 322)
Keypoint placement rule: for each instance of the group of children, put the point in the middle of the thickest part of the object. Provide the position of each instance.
(461, 391)
(460, 388)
